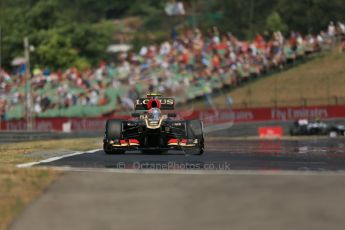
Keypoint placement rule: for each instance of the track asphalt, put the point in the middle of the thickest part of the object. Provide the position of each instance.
(236, 184)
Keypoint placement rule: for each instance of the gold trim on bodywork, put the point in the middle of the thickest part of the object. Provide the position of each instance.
(154, 126)
(180, 143)
(120, 145)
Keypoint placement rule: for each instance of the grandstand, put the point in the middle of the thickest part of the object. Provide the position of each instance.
(189, 67)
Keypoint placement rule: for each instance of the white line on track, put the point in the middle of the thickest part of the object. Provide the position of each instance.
(176, 172)
(30, 164)
(200, 172)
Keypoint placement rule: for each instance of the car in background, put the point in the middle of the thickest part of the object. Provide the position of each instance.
(317, 127)
(337, 130)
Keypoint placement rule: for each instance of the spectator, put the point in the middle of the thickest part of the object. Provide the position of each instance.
(133, 93)
(331, 30)
(342, 44)
(342, 28)
(3, 104)
(192, 59)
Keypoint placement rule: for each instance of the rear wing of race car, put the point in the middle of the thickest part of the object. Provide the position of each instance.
(165, 103)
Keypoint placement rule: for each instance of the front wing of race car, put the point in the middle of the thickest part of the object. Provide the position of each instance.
(121, 136)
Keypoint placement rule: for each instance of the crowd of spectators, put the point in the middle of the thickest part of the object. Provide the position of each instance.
(170, 68)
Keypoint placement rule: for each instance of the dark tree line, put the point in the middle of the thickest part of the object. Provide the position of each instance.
(66, 32)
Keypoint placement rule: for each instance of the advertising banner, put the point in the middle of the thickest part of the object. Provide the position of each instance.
(209, 118)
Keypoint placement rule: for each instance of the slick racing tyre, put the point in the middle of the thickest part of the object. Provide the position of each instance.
(195, 131)
(108, 150)
(113, 130)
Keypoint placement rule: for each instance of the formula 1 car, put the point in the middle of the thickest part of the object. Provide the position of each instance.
(337, 130)
(151, 131)
(306, 127)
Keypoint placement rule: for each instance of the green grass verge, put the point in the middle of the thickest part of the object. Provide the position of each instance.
(18, 187)
(320, 81)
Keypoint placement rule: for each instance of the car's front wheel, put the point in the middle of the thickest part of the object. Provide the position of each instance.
(108, 150)
(194, 151)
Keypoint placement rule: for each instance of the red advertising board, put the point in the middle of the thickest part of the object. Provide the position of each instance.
(270, 132)
(209, 117)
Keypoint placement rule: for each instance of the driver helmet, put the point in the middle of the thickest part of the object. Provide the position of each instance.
(154, 114)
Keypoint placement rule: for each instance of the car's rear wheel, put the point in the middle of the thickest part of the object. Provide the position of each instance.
(195, 131)
(113, 131)
(194, 151)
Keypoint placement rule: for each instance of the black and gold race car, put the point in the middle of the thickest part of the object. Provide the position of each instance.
(151, 131)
